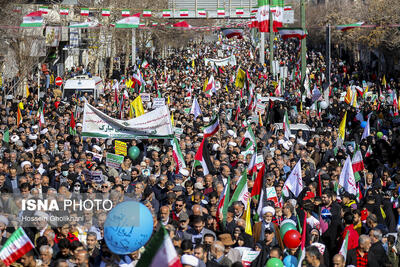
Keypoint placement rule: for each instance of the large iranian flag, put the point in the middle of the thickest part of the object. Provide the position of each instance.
(242, 191)
(160, 251)
(128, 22)
(277, 7)
(15, 247)
(263, 16)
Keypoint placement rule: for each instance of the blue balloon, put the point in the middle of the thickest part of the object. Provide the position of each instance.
(128, 227)
(326, 215)
(290, 261)
(363, 124)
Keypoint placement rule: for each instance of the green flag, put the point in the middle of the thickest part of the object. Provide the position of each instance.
(6, 136)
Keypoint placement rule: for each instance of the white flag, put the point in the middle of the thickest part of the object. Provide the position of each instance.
(294, 182)
(346, 179)
(367, 131)
(195, 110)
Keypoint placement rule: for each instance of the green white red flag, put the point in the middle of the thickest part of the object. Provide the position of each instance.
(343, 249)
(212, 128)
(263, 16)
(17, 245)
(177, 155)
(160, 251)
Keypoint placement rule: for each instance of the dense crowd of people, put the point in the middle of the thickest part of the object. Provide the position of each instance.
(45, 160)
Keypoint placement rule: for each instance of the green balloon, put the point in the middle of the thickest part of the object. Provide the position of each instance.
(274, 262)
(133, 152)
(286, 227)
(379, 134)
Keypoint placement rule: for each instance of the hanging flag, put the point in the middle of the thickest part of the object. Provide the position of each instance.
(84, 11)
(367, 131)
(212, 128)
(128, 22)
(177, 155)
(241, 192)
(44, 9)
(72, 125)
(138, 106)
(221, 12)
(195, 110)
(105, 12)
(294, 182)
(240, 78)
(166, 13)
(248, 229)
(263, 16)
(184, 13)
(87, 24)
(201, 12)
(147, 13)
(286, 126)
(277, 7)
(33, 19)
(342, 131)
(64, 11)
(160, 251)
(125, 13)
(230, 33)
(6, 136)
(357, 164)
(343, 249)
(287, 33)
(202, 158)
(16, 246)
(346, 179)
(239, 11)
(369, 152)
(347, 27)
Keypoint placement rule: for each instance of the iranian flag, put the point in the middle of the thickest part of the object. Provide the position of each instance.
(128, 22)
(105, 12)
(33, 19)
(249, 134)
(223, 202)
(347, 179)
(145, 64)
(202, 158)
(212, 128)
(210, 87)
(302, 254)
(147, 13)
(160, 251)
(263, 16)
(84, 11)
(242, 191)
(277, 14)
(201, 12)
(357, 164)
(343, 249)
(369, 152)
(64, 11)
(287, 33)
(221, 12)
(125, 13)
(347, 27)
(230, 33)
(177, 154)
(154, 24)
(41, 118)
(184, 13)
(17, 245)
(44, 9)
(166, 13)
(286, 126)
(88, 24)
(258, 183)
(239, 11)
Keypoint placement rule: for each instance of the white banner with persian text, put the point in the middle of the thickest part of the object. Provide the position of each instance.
(154, 124)
(222, 62)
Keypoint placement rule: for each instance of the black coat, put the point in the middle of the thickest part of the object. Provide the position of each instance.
(378, 255)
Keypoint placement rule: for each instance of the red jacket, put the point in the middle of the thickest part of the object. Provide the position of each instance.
(353, 237)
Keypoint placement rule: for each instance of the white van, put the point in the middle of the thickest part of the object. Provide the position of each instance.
(79, 85)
